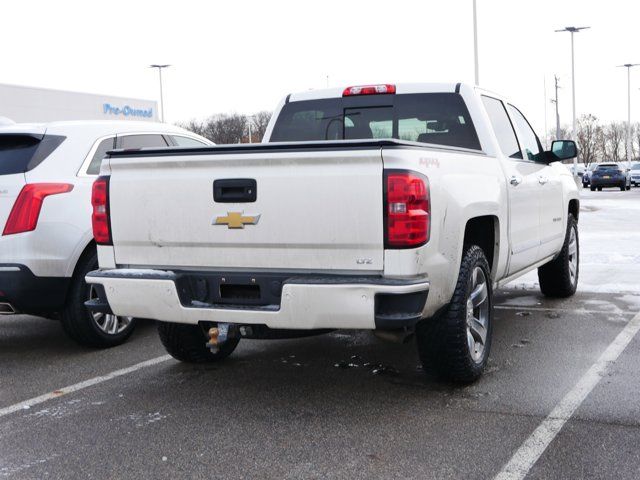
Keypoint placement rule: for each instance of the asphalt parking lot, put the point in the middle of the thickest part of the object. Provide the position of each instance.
(559, 399)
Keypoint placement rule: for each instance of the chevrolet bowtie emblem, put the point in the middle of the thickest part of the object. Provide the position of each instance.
(236, 220)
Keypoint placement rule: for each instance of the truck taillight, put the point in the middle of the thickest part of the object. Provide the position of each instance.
(369, 90)
(26, 210)
(407, 209)
(100, 217)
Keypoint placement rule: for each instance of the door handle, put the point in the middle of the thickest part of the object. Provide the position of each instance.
(515, 180)
(235, 190)
(542, 180)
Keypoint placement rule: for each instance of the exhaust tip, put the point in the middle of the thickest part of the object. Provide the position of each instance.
(6, 309)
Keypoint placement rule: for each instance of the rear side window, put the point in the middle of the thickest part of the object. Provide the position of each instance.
(436, 118)
(143, 141)
(104, 146)
(502, 127)
(187, 141)
(22, 153)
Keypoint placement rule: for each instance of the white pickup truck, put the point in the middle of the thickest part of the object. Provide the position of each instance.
(394, 208)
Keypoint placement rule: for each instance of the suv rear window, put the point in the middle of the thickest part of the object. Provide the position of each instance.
(20, 153)
(436, 118)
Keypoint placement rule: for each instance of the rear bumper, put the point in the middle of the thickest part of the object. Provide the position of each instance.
(597, 182)
(303, 302)
(28, 293)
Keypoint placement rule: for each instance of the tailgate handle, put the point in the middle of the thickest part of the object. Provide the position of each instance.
(235, 190)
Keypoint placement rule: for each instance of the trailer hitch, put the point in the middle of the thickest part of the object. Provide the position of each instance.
(219, 334)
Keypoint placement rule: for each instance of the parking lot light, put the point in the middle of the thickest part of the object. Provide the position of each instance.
(160, 67)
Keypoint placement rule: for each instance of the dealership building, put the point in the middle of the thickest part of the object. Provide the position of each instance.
(29, 104)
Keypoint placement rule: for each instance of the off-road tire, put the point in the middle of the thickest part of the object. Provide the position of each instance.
(555, 277)
(77, 321)
(442, 340)
(187, 343)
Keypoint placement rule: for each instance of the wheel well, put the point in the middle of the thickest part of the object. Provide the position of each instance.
(483, 232)
(574, 208)
(88, 250)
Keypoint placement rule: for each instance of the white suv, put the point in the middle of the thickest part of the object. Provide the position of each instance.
(46, 240)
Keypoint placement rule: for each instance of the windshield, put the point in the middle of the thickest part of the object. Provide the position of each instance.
(21, 153)
(635, 166)
(437, 118)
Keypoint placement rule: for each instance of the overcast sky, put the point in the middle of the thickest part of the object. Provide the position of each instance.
(245, 55)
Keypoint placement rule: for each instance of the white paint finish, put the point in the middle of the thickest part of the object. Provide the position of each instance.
(318, 210)
(608, 243)
(27, 404)
(303, 306)
(64, 224)
(534, 446)
(321, 211)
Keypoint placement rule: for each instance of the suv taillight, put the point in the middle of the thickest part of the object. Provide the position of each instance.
(100, 217)
(26, 210)
(407, 209)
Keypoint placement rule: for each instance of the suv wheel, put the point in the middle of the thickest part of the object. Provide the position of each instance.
(92, 329)
(456, 344)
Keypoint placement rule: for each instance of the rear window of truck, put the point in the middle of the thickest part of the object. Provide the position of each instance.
(20, 153)
(436, 118)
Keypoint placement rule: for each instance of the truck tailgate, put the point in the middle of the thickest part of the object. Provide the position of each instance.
(318, 210)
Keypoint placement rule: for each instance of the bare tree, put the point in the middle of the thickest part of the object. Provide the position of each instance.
(589, 138)
(564, 134)
(259, 122)
(193, 126)
(614, 136)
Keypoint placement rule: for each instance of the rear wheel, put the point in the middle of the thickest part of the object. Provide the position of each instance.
(559, 278)
(599, 189)
(92, 329)
(456, 344)
(593, 189)
(187, 343)
(623, 188)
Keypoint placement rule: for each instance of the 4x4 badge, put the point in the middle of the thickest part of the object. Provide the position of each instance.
(236, 220)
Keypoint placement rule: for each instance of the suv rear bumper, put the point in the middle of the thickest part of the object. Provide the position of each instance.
(303, 302)
(28, 293)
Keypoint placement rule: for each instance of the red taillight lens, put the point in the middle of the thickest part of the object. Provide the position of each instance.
(407, 209)
(100, 216)
(26, 211)
(369, 90)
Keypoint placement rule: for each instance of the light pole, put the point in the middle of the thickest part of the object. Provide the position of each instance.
(556, 79)
(160, 67)
(475, 43)
(573, 30)
(628, 66)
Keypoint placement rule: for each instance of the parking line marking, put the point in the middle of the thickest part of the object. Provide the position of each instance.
(550, 309)
(534, 446)
(82, 385)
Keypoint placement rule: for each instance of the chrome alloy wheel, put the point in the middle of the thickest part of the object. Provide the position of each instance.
(106, 322)
(573, 256)
(477, 315)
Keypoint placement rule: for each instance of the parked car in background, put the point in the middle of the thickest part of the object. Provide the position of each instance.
(46, 245)
(610, 175)
(634, 174)
(586, 177)
(580, 169)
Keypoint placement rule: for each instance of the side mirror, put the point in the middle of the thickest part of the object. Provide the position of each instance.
(562, 150)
